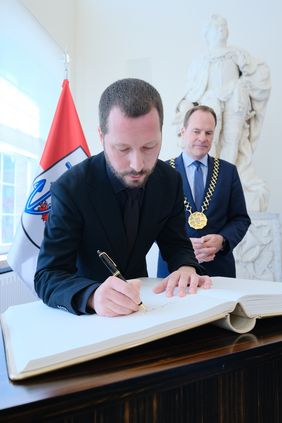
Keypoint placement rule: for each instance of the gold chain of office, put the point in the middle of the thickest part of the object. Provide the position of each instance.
(198, 219)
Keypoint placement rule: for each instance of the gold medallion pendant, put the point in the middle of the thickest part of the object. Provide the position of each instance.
(197, 220)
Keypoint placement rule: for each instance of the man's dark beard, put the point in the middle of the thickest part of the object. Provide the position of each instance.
(121, 177)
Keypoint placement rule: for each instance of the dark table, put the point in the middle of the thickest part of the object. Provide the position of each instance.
(206, 374)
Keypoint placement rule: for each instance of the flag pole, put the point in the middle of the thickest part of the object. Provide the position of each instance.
(66, 63)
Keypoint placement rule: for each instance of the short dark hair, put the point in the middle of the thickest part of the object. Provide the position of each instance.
(134, 97)
(194, 109)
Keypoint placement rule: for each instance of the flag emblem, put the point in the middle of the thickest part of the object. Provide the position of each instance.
(39, 202)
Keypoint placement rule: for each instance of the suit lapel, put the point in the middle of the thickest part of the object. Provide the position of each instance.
(150, 213)
(210, 172)
(105, 205)
(179, 165)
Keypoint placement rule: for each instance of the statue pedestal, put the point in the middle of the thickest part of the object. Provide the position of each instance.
(258, 255)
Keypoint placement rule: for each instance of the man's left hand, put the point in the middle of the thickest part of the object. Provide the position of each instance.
(182, 278)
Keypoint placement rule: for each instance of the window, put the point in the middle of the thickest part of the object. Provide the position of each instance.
(19, 123)
(16, 173)
(31, 74)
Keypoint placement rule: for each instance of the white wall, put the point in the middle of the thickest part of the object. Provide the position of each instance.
(156, 40)
(58, 17)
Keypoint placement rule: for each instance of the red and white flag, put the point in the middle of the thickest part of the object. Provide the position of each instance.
(65, 147)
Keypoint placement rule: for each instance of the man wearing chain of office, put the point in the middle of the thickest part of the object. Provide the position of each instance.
(215, 207)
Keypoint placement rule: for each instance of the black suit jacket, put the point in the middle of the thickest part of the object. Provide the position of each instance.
(227, 215)
(85, 216)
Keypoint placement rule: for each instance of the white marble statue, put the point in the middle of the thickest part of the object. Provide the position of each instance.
(237, 86)
(258, 255)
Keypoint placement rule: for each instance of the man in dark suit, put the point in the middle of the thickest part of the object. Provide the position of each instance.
(220, 220)
(120, 201)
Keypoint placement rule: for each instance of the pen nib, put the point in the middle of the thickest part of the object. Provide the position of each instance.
(142, 307)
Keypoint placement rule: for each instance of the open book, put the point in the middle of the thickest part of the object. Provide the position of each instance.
(39, 339)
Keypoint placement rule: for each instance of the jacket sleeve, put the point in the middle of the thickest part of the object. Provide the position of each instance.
(238, 220)
(56, 281)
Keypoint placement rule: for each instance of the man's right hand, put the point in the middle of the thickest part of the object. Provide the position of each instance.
(206, 247)
(115, 297)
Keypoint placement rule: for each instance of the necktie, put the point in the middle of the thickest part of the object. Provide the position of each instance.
(198, 185)
(131, 215)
